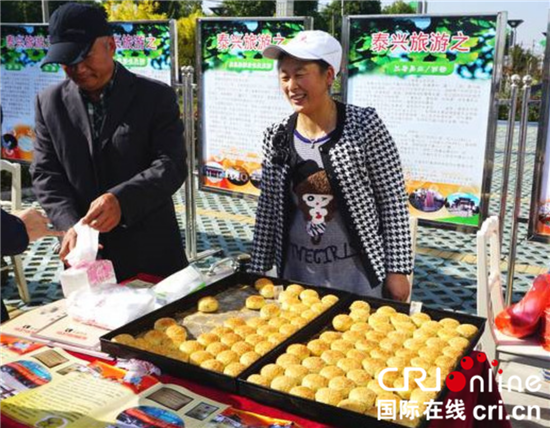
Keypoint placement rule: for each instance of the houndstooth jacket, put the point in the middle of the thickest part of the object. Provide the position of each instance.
(364, 169)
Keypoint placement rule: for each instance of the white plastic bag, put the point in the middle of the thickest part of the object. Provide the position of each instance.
(178, 285)
(87, 244)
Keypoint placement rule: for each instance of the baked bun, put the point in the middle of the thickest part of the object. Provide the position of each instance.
(348, 364)
(227, 357)
(217, 347)
(359, 377)
(331, 299)
(420, 318)
(298, 349)
(244, 330)
(241, 348)
(264, 347)
(208, 304)
(330, 336)
(286, 360)
(332, 357)
(261, 282)
(269, 310)
(329, 396)
(249, 358)
(449, 323)
(268, 291)
(254, 339)
(213, 365)
(199, 357)
(354, 406)
(255, 322)
(331, 372)
(314, 381)
(313, 364)
(303, 391)
(258, 380)
(297, 371)
(342, 322)
(163, 323)
(206, 339)
(363, 395)
(154, 337)
(234, 369)
(230, 339)
(283, 383)
(234, 322)
(255, 302)
(176, 333)
(271, 371)
(467, 330)
(125, 339)
(294, 289)
(317, 347)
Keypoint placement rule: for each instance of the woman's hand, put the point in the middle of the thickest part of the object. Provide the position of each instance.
(397, 286)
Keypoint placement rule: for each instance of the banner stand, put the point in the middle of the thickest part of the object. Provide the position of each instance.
(519, 179)
(508, 151)
(190, 193)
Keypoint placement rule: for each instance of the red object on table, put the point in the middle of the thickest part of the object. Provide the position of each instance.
(470, 399)
(545, 332)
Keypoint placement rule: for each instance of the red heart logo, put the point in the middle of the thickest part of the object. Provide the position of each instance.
(499, 371)
(494, 363)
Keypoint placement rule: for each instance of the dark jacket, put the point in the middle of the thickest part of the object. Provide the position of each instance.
(364, 170)
(140, 159)
(14, 235)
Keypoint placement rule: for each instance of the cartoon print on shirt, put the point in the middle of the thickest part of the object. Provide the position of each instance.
(317, 204)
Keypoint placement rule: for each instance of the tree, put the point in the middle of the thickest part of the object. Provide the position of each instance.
(187, 27)
(128, 10)
(178, 9)
(249, 7)
(398, 8)
(27, 11)
(331, 15)
(306, 8)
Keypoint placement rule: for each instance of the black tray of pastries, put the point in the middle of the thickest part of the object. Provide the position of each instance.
(340, 387)
(214, 348)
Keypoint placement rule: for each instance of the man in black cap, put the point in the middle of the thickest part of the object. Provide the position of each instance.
(109, 149)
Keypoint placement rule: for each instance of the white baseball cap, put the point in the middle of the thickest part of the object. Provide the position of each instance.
(310, 45)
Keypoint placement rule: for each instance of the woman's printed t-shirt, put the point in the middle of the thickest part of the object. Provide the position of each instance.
(319, 250)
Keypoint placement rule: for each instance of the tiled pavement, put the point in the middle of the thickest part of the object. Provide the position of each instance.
(445, 270)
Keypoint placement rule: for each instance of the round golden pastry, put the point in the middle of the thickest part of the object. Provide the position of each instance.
(399, 317)
(249, 358)
(216, 347)
(156, 349)
(398, 336)
(359, 376)
(414, 344)
(354, 406)
(234, 322)
(125, 339)
(363, 395)
(467, 330)
(433, 370)
(399, 383)
(365, 345)
(289, 316)
(375, 336)
(266, 330)
(269, 310)
(261, 283)
(283, 383)
(342, 345)
(254, 339)
(258, 380)
(296, 371)
(314, 381)
(288, 305)
(330, 372)
(421, 397)
(298, 349)
(405, 327)
(245, 330)
(199, 357)
(264, 347)
(388, 378)
(360, 304)
(330, 336)
(299, 322)
(380, 354)
(271, 371)
(303, 391)
(405, 353)
(424, 334)
(234, 369)
(329, 396)
(286, 297)
(451, 352)
(178, 355)
(459, 342)
(206, 339)
(420, 363)
(309, 315)
(356, 354)
(444, 362)
(214, 365)
(190, 346)
(227, 357)
(331, 299)
(288, 329)
(319, 308)
(230, 339)
(268, 291)
(352, 336)
(384, 328)
(389, 345)
(154, 337)
(208, 305)
(221, 330)
(298, 308)
(317, 347)
(163, 323)
(309, 294)
(429, 354)
(276, 338)
(176, 333)
(375, 387)
(342, 322)
(309, 301)
(449, 323)
(255, 302)
(431, 325)
(286, 360)
(360, 327)
(255, 322)
(420, 318)
(294, 289)
(348, 364)
(314, 364)
(436, 342)
(359, 315)
(447, 333)
(331, 357)
(371, 365)
(386, 310)
(140, 343)
(277, 322)
(388, 396)
(241, 348)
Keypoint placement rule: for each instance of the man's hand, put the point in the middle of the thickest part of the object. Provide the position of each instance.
(69, 242)
(397, 286)
(36, 224)
(104, 213)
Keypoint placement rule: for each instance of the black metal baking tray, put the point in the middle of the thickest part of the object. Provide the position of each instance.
(330, 414)
(187, 303)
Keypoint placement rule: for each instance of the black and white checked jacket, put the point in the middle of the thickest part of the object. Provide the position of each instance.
(364, 169)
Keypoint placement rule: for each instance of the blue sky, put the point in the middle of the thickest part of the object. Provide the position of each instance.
(529, 34)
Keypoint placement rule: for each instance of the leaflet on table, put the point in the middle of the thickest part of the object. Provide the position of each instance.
(235, 418)
(101, 395)
(33, 321)
(12, 347)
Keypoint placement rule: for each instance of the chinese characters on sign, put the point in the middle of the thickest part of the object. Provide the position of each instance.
(19, 41)
(126, 41)
(420, 42)
(453, 409)
(248, 41)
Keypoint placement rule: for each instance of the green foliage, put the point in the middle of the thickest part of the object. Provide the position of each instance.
(249, 7)
(306, 8)
(28, 11)
(398, 8)
(179, 9)
(330, 18)
(128, 10)
(186, 38)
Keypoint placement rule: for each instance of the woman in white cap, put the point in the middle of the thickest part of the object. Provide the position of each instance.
(332, 210)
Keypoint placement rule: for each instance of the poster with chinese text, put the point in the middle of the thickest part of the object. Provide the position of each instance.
(144, 48)
(431, 79)
(239, 97)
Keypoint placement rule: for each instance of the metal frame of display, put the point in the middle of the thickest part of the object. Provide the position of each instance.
(308, 25)
(542, 140)
(493, 109)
